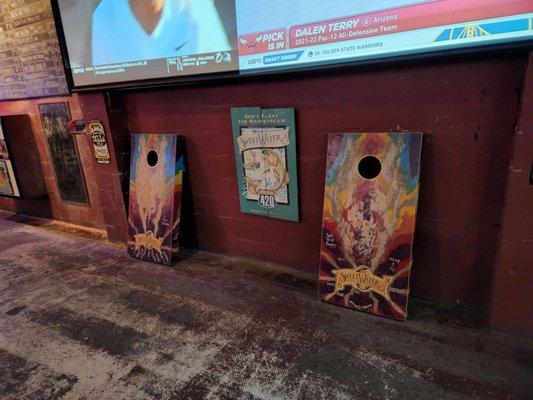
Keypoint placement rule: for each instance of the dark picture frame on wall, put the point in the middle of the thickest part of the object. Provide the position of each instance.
(63, 152)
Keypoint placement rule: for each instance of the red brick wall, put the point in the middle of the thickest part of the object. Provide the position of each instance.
(467, 109)
(512, 303)
(109, 178)
(90, 216)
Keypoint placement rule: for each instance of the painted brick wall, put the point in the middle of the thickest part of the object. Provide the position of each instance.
(109, 177)
(512, 304)
(467, 109)
(53, 207)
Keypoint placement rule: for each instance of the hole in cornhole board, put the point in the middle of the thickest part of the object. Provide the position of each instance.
(152, 158)
(369, 167)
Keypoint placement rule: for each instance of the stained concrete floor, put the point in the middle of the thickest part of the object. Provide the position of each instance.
(79, 319)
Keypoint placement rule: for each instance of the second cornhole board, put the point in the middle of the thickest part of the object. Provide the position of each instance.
(370, 204)
(156, 178)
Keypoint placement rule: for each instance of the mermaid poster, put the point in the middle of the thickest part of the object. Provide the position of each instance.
(265, 149)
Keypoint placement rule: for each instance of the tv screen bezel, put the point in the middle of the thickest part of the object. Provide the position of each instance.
(299, 70)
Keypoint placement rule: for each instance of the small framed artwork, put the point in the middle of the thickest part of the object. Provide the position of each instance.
(6, 188)
(8, 181)
(4, 154)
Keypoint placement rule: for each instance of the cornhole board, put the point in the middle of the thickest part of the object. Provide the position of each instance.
(370, 205)
(156, 179)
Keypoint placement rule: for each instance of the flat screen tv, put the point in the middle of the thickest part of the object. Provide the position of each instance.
(134, 42)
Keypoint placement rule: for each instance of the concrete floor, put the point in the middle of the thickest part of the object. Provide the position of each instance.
(79, 319)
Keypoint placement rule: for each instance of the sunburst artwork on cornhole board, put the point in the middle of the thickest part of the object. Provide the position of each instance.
(370, 205)
(156, 180)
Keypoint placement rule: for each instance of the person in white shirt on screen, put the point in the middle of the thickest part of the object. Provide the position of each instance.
(132, 30)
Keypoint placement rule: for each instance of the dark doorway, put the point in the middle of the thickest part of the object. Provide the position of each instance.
(24, 156)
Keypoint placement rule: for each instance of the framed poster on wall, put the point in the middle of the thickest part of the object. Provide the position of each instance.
(63, 153)
(265, 153)
(8, 181)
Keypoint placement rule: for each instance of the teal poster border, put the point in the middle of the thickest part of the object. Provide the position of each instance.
(259, 121)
